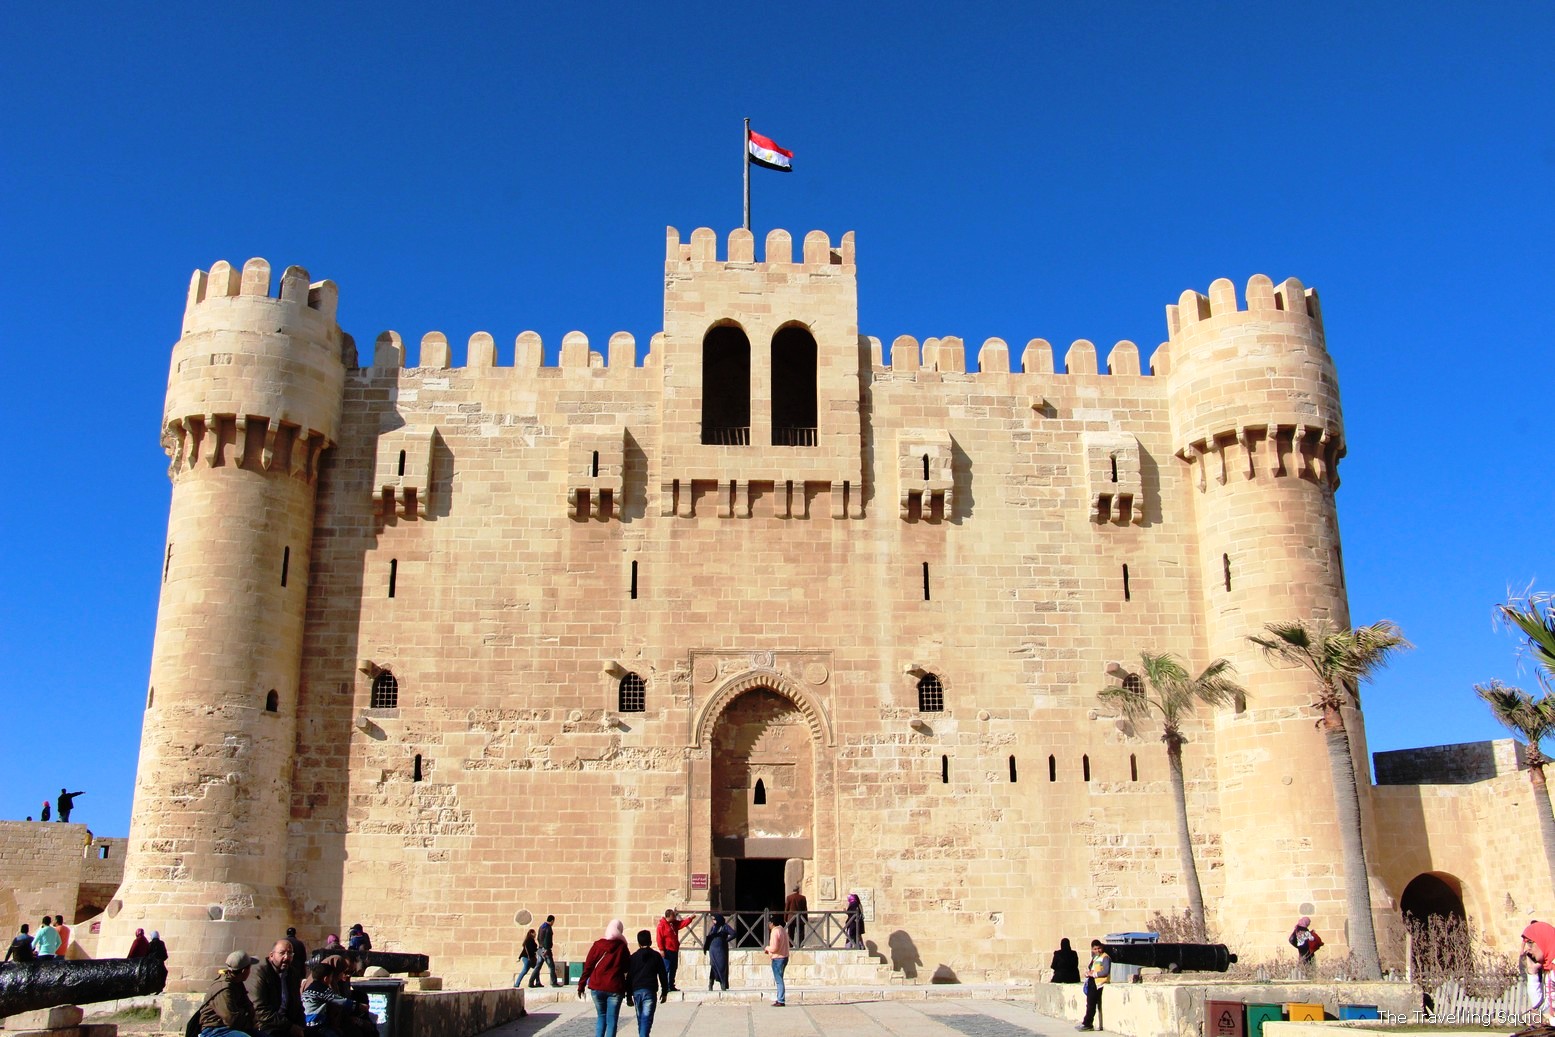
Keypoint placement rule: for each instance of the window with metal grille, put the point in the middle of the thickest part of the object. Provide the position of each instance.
(1133, 684)
(931, 695)
(386, 691)
(634, 694)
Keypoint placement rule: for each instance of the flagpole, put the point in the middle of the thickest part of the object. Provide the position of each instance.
(745, 152)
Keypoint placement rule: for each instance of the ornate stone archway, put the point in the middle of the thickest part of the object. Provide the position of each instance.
(745, 715)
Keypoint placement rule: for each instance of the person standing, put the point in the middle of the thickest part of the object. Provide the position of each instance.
(649, 981)
(64, 935)
(529, 959)
(718, 938)
(21, 946)
(778, 949)
(299, 967)
(155, 948)
(605, 977)
(138, 946)
(853, 923)
(669, 939)
(547, 937)
(46, 943)
(1065, 964)
(795, 914)
(67, 803)
(278, 1012)
(1305, 941)
(357, 939)
(227, 1009)
(1097, 975)
(44, 816)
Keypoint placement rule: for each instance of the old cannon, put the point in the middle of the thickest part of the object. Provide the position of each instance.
(1174, 957)
(392, 962)
(33, 985)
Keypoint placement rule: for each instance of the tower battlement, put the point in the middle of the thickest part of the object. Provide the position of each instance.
(1263, 297)
(815, 251)
(224, 282)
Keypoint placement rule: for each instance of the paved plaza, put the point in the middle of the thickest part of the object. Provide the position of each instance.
(970, 1017)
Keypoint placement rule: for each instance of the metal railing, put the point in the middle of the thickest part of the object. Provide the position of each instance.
(794, 437)
(726, 435)
(812, 931)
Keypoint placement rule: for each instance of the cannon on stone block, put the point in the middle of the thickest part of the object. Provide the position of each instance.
(34, 985)
(1173, 957)
(391, 962)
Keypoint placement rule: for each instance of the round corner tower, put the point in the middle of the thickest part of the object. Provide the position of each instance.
(253, 399)
(1255, 415)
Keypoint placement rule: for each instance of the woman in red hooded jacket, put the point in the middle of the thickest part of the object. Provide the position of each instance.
(1539, 947)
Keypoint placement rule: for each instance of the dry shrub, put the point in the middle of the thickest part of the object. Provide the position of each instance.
(1446, 947)
(1175, 928)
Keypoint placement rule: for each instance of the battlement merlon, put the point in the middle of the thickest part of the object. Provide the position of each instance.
(246, 356)
(702, 250)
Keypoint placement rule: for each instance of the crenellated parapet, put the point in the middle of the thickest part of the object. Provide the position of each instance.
(1253, 390)
(816, 251)
(256, 377)
(575, 354)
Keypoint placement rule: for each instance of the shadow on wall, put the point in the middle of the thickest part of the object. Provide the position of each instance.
(944, 974)
(904, 954)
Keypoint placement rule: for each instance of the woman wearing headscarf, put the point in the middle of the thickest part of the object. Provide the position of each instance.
(605, 977)
(138, 946)
(853, 924)
(1305, 941)
(155, 948)
(718, 938)
(1539, 948)
(1066, 963)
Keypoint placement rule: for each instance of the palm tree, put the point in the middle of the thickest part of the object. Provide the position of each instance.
(1533, 615)
(1173, 693)
(1341, 660)
(1520, 713)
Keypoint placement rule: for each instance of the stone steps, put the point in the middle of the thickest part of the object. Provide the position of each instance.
(752, 968)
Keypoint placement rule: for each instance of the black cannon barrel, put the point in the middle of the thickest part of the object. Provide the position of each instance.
(32, 985)
(1180, 957)
(392, 962)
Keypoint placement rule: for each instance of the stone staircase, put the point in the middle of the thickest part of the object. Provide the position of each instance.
(753, 969)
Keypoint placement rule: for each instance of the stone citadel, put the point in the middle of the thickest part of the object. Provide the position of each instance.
(441, 648)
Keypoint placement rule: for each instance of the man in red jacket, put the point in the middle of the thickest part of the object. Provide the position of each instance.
(669, 940)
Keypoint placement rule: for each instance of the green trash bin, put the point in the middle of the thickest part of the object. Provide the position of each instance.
(1257, 1015)
(574, 971)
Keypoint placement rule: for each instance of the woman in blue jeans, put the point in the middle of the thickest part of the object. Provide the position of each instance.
(778, 949)
(604, 977)
(529, 958)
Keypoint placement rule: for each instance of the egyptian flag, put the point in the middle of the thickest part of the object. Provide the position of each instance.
(765, 152)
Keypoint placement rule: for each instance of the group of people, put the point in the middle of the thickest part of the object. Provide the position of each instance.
(1098, 973)
(287, 993)
(52, 940)
(66, 803)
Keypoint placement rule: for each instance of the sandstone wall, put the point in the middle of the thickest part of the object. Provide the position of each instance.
(55, 869)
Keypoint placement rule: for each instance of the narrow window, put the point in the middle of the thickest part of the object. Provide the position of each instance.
(633, 696)
(1052, 768)
(634, 580)
(594, 466)
(151, 697)
(944, 770)
(167, 563)
(415, 768)
(394, 572)
(925, 466)
(1339, 566)
(726, 387)
(286, 563)
(402, 462)
(1114, 467)
(1133, 767)
(794, 407)
(1225, 563)
(1085, 766)
(102, 853)
(272, 702)
(931, 695)
(1012, 770)
(1126, 594)
(760, 797)
(925, 581)
(386, 692)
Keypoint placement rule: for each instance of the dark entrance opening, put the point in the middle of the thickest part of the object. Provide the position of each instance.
(1440, 942)
(758, 886)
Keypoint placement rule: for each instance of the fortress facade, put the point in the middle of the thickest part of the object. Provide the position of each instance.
(770, 602)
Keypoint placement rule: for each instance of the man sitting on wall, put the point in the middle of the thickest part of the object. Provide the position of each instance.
(277, 1010)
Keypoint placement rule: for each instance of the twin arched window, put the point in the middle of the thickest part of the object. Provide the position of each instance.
(726, 387)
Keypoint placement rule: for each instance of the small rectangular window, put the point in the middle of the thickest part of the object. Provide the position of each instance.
(944, 770)
(167, 562)
(394, 571)
(1225, 564)
(634, 580)
(286, 563)
(925, 581)
(1126, 594)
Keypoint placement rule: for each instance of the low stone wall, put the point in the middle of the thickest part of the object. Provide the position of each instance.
(1176, 1007)
(458, 1013)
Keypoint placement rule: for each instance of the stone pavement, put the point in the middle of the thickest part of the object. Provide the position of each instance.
(933, 1017)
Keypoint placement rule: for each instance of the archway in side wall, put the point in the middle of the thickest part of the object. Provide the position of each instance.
(1440, 943)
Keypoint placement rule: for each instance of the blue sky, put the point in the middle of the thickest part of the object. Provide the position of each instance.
(1043, 170)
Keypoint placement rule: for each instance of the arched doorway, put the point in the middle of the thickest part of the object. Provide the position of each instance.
(1440, 941)
(762, 799)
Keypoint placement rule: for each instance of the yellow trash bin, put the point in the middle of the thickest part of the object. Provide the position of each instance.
(1302, 1012)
